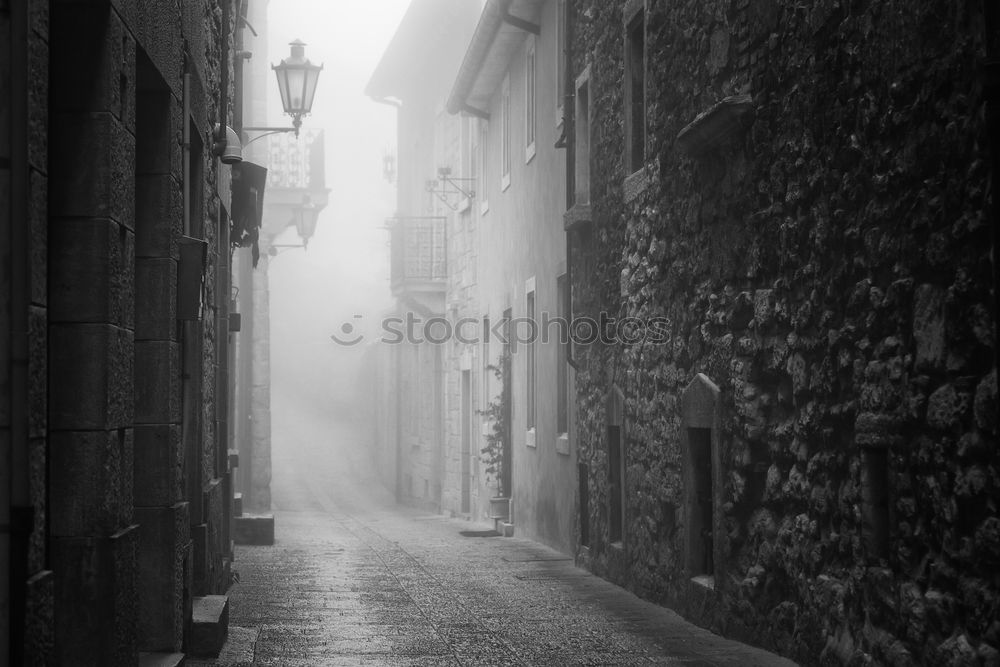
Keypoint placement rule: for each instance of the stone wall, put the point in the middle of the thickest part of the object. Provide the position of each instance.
(829, 269)
(102, 472)
(26, 596)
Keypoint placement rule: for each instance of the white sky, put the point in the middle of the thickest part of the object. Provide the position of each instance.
(345, 270)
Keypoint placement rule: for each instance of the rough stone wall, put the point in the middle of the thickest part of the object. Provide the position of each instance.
(830, 271)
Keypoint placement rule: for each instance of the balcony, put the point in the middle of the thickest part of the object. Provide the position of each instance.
(419, 263)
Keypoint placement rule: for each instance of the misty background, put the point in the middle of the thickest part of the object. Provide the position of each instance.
(315, 383)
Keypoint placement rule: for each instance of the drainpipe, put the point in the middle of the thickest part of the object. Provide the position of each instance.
(220, 134)
(569, 124)
(186, 149)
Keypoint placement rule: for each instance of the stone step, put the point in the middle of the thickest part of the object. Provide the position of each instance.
(161, 660)
(254, 529)
(237, 504)
(209, 625)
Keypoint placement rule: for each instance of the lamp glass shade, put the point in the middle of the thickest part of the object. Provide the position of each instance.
(297, 79)
(305, 221)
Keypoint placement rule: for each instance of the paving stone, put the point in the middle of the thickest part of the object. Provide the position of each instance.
(352, 579)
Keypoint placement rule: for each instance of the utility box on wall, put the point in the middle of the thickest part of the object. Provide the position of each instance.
(190, 277)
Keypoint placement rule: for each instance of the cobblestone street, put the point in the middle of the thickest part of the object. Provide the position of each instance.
(354, 580)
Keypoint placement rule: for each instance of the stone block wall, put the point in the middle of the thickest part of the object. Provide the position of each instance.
(829, 268)
(99, 456)
(26, 595)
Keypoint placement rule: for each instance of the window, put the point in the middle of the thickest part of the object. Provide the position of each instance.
(486, 373)
(530, 110)
(614, 483)
(505, 134)
(702, 478)
(616, 465)
(562, 361)
(583, 480)
(530, 360)
(482, 185)
(875, 497)
(581, 174)
(635, 92)
(701, 493)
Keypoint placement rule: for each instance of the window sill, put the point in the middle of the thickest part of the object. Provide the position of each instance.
(529, 152)
(705, 581)
(562, 444)
(484, 207)
(577, 216)
(504, 182)
(636, 183)
(529, 438)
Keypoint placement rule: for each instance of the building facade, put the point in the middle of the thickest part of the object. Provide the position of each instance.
(481, 176)
(781, 219)
(509, 84)
(411, 388)
(116, 281)
(804, 194)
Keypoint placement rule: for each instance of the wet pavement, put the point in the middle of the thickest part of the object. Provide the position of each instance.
(354, 580)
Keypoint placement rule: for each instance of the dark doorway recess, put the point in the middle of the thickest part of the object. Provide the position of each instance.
(584, 481)
(700, 440)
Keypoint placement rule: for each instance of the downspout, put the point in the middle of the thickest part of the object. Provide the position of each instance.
(569, 127)
(186, 148)
(220, 138)
(241, 56)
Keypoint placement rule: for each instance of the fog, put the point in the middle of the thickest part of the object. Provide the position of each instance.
(344, 272)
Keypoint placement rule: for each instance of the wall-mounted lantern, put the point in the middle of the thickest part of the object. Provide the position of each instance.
(304, 217)
(297, 78)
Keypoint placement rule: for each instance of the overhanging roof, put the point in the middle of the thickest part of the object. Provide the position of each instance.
(500, 32)
(432, 33)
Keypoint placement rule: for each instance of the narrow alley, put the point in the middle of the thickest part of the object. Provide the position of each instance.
(353, 579)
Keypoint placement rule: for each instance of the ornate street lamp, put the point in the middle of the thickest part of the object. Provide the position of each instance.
(297, 79)
(306, 217)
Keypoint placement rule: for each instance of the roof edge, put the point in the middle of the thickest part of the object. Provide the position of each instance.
(479, 48)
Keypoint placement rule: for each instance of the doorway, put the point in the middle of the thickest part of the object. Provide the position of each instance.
(466, 459)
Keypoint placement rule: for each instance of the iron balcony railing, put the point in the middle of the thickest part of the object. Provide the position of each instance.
(418, 247)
